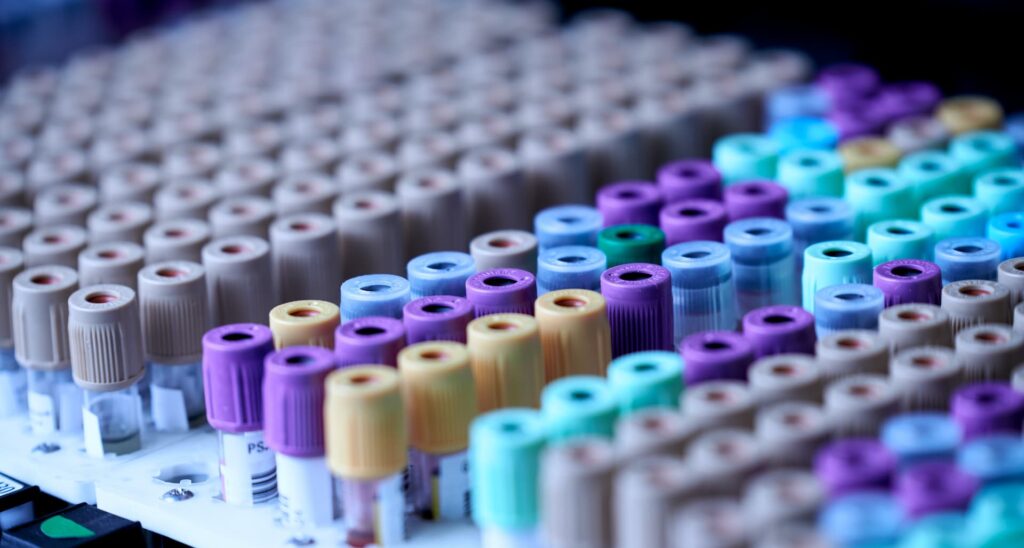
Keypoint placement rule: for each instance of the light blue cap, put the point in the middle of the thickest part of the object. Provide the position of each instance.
(914, 437)
(933, 173)
(941, 530)
(567, 225)
(373, 295)
(570, 267)
(1001, 190)
(759, 240)
(847, 306)
(995, 458)
(505, 448)
(834, 263)
(996, 517)
(646, 379)
(967, 259)
(1007, 229)
(804, 132)
(796, 101)
(440, 273)
(862, 518)
(703, 291)
(955, 217)
(818, 220)
(580, 405)
(980, 151)
(878, 194)
(900, 239)
(746, 156)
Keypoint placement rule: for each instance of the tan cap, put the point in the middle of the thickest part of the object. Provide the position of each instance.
(238, 281)
(576, 493)
(653, 431)
(785, 377)
(177, 240)
(851, 351)
(967, 113)
(508, 366)
(304, 323)
(54, 245)
(973, 302)
(865, 152)
(110, 263)
(172, 304)
(104, 338)
(39, 316)
(790, 433)
(440, 399)
(924, 378)
(782, 496)
(119, 222)
(369, 233)
(647, 492)
(988, 352)
(365, 426)
(724, 459)
(574, 333)
(11, 263)
(719, 404)
(915, 324)
(857, 405)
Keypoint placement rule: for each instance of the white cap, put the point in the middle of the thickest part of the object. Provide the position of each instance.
(133, 182)
(110, 263)
(304, 257)
(790, 433)
(176, 240)
(246, 215)
(719, 404)
(724, 459)
(64, 204)
(304, 193)
(924, 377)
(857, 405)
(184, 199)
(119, 222)
(54, 245)
(785, 377)
(368, 170)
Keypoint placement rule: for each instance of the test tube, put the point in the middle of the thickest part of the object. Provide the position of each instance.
(12, 378)
(858, 404)
(909, 281)
(64, 204)
(120, 222)
(505, 249)
(811, 174)
(579, 406)
(933, 487)
(306, 192)
(129, 182)
(955, 216)
(501, 291)
(692, 219)
(110, 263)
(431, 148)
(744, 156)
(1005, 230)
(107, 362)
(369, 233)
(646, 379)
(847, 306)
(854, 464)
(924, 377)
(724, 459)
(624, 244)
(910, 325)
(860, 519)
(790, 433)
(371, 339)
(431, 208)
(639, 302)
(779, 497)
(762, 255)
(899, 239)
(702, 288)
(988, 352)
(437, 318)
(440, 273)
(719, 404)
(494, 190)
(304, 257)
(173, 309)
(689, 179)
(920, 437)
(652, 431)
(833, 263)
(818, 220)
(54, 245)
(305, 323)
(785, 377)
(755, 199)
(184, 199)
(933, 174)
(576, 493)
(993, 459)
(647, 491)
(861, 153)
(1011, 275)
(570, 267)
(980, 151)
(507, 361)
(779, 329)
(238, 279)
(629, 202)
(1001, 190)
(556, 167)
(243, 215)
(367, 441)
(440, 400)
(917, 133)
(574, 333)
(16, 224)
(973, 302)
(366, 171)
(852, 351)
(248, 175)
(567, 225)
(713, 355)
(176, 240)
(374, 295)
(878, 194)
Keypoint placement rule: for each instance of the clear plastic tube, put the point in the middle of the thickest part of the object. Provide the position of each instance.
(177, 401)
(374, 510)
(54, 402)
(112, 422)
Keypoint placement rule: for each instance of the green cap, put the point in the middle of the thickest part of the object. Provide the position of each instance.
(996, 516)
(942, 530)
(900, 239)
(1001, 190)
(933, 173)
(646, 379)
(746, 156)
(504, 466)
(624, 244)
(834, 263)
(980, 151)
(811, 173)
(955, 217)
(878, 194)
(580, 405)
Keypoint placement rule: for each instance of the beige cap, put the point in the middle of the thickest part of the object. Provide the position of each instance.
(851, 351)
(111, 263)
(914, 324)
(785, 377)
(304, 323)
(238, 281)
(973, 302)
(366, 435)
(11, 263)
(967, 113)
(172, 304)
(988, 352)
(574, 333)
(719, 404)
(857, 405)
(104, 338)
(576, 493)
(39, 316)
(440, 399)
(647, 492)
(505, 352)
(790, 433)
(653, 431)
(865, 152)
(724, 459)
(924, 378)
(54, 245)
(177, 240)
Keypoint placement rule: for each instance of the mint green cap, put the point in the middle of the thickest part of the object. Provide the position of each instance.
(834, 263)
(942, 530)
(806, 173)
(646, 379)
(980, 151)
(580, 405)
(900, 239)
(878, 194)
(505, 447)
(745, 156)
(996, 516)
(1001, 190)
(624, 244)
(955, 217)
(933, 173)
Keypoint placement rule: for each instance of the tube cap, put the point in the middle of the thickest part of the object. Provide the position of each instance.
(304, 257)
(852, 351)
(910, 325)
(967, 259)
(934, 173)
(507, 361)
(305, 323)
(15, 224)
(995, 517)
(867, 152)
(862, 519)
(1007, 230)
(570, 267)
(241, 216)
(364, 420)
(371, 339)
(790, 433)
(567, 225)
(807, 173)
(439, 395)
(854, 464)
(703, 294)
(847, 306)
(119, 222)
(955, 216)
(172, 304)
(639, 304)
(502, 291)
(110, 263)
(1001, 190)
(819, 219)
(184, 199)
(293, 399)
(748, 199)
(370, 232)
(39, 316)
(652, 431)
(994, 458)
(924, 377)
(11, 263)
(504, 461)
(988, 352)
(304, 192)
(918, 437)
(908, 281)
(233, 375)
(437, 318)
(580, 405)
(630, 202)
(724, 459)
(54, 245)
(932, 487)
(104, 339)
(688, 179)
(744, 156)
(624, 244)
(987, 408)
(979, 151)
(577, 479)
(505, 249)
(714, 355)
(779, 329)
(238, 279)
(64, 204)
(878, 194)
(973, 302)
(847, 81)
(782, 496)
(692, 219)
(899, 239)
(176, 240)
(857, 405)
(834, 263)
(1010, 275)
(440, 273)
(719, 404)
(785, 377)
(646, 379)
(374, 295)
(647, 492)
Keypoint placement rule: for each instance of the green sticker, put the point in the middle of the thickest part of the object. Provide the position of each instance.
(62, 527)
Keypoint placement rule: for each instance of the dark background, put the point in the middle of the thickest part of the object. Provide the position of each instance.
(961, 45)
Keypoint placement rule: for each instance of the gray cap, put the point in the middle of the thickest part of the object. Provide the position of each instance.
(724, 459)
(431, 203)
(653, 431)
(555, 165)
(191, 159)
(778, 497)
(322, 118)
(54, 245)
(110, 263)
(369, 233)
(436, 149)
(252, 139)
(239, 286)
(172, 305)
(118, 146)
(64, 204)
(713, 522)
(785, 377)
(790, 433)
(12, 185)
(119, 222)
(368, 170)
(304, 257)
(1011, 274)
(719, 404)
(104, 338)
(924, 377)
(134, 182)
(431, 116)
(309, 155)
(487, 129)
(15, 224)
(857, 405)
(576, 493)
(988, 352)
(494, 189)
(378, 132)
(176, 240)
(50, 168)
(1018, 318)
(505, 249)
(304, 193)
(547, 110)
(39, 315)
(647, 492)
(184, 199)
(915, 324)
(246, 215)
(972, 302)
(11, 263)
(248, 176)
(852, 351)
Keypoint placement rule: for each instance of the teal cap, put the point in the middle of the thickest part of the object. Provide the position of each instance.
(955, 217)
(505, 447)
(646, 379)
(996, 517)
(981, 151)
(942, 530)
(878, 194)
(580, 405)
(809, 173)
(1001, 190)
(745, 156)
(933, 173)
(624, 244)
(834, 263)
(900, 239)
(1007, 229)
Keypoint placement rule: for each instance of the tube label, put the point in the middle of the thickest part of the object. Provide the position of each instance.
(168, 406)
(389, 511)
(451, 487)
(305, 491)
(248, 472)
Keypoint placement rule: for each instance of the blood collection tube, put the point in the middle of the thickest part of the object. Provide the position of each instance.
(988, 352)
(692, 219)
(505, 249)
(54, 245)
(899, 239)
(878, 194)
(924, 377)
(629, 202)
(1005, 230)
(567, 225)
(440, 273)
(652, 431)
(724, 459)
(785, 377)
(755, 199)
(982, 409)
(980, 151)
(238, 279)
(576, 493)
(647, 492)
(779, 497)
(932, 174)
(918, 133)
(64, 204)
(176, 240)
(703, 294)
(847, 306)
(852, 351)
(779, 329)
(719, 404)
(689, 179)
(858, 404)
(12, 378)
(911, 325)
(173, 308)
(578, 406)
(246, 176)
(807, 174)
(570, 267)
(369, 233)
(906, 281)
(190, 160)
(646, 379)
(379, 132)
(1011, 275)
(744, 156)
(437, 318)
(993, 459)
(556, 167)
(367, 170)
(920, 437)
(574, 333)
(374, 295)
(305, 323)
(184, 199)
(119, 222)
(110, 263)
(304, 257)
(129, 182)
(310, 155)
(15, 224)
(973, 302)
(833, 263)
(494, 190)
(955, 216)
(713, 355)
(817, 220)
(854, 464)
(241, 216)
(613, 141)
(501, 290)
(369, 340)
(639, 305)
(304, 192)
(431, 208)
(1002, 190)
(762, 255)
(790, 433)
(624, 244)
(107, 362)
(862, 518)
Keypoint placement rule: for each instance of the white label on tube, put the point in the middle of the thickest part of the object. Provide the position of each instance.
(69, 404)
(168, 406)
(305, 491)
(389, 511)
(452, 486)
(247, 469)
(92, 434)
(42, 413)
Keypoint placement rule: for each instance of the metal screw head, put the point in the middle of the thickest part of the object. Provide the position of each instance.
(177, 495)
(46, 448)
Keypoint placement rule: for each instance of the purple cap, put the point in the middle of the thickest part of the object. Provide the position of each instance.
(502, 291)
(858, 121)
(293, 399)
(693, 219)
(639, 301)
(779, 329)
(233, 375)
(987, 408)
(905, 99)
(688, 179)
(437, 318)
(630, 202)
(756, 199)
(854, 464)
(848, 81)
(374, 340)
(715, 355)
(906, 281)
(935, 486)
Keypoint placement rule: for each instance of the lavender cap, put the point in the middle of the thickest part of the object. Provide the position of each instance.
(502, 291)
(437, 318)
(293, 399)
(687, 179)
(639, 301)
(374, 340)
(779, 329)
(935, 486)
(233, 375)
(630, 202)
(847, 81)
(716, 355)
(854, 464)
(987, 408)
(905, 99)
(693, 219)
(756, 199)
(909, 281)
